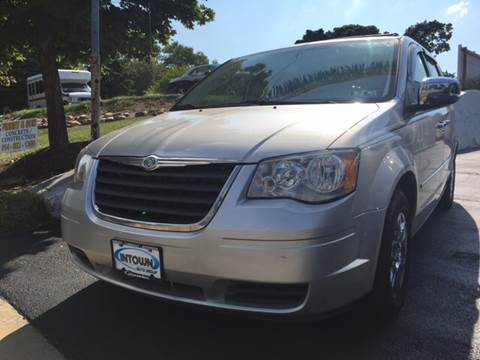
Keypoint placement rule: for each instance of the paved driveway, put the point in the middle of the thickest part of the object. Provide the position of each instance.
(87, 319)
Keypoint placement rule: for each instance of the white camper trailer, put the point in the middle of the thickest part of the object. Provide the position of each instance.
(74, 85)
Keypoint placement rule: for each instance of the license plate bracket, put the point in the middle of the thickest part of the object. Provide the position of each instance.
(137, 260)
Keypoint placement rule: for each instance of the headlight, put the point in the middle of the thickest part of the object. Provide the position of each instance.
(314, 177)
(82, 166)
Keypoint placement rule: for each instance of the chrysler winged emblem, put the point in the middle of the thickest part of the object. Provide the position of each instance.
(150, 163)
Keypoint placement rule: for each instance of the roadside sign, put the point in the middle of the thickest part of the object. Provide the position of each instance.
(18, 135)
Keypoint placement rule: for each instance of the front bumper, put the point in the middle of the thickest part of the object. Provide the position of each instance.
(323, 254)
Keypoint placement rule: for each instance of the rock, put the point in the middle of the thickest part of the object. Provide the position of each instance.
(109, 114)
(127, 115)
(42, 124)
(69, 117)
(141, 113)
(153, 112)
(84, 121)
(75, 123)
(118, 117)
(82, 117)
(107, 118)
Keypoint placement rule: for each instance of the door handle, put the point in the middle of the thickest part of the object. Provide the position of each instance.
(443, 124)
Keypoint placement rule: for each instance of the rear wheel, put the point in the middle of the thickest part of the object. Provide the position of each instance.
(392, 268)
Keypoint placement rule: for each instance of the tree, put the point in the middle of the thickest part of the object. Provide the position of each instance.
(59, 31)
(338, 32)
(160, 84)
(433, 35)
(449, 74)
(126, 76)
(175, 54)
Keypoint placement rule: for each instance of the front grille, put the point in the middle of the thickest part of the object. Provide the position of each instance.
(168, 195)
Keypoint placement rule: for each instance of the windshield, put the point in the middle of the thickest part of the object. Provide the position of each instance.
(75, 87)
(343, 71)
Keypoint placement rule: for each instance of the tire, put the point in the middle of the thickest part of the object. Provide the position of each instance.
(388, 295)
(448, 196)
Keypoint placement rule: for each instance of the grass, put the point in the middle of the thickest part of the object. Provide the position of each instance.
(116, 104)
(75, 134)
(23, 210)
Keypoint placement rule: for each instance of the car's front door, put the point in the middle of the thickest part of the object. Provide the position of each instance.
(428, 149)
(444, 124)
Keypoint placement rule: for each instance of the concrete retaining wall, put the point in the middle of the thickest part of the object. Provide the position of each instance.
(467, 114)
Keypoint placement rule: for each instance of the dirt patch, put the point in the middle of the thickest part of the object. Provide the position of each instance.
(39, 166)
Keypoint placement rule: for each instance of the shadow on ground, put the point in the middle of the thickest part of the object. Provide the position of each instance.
(15, 245)
(102, 321)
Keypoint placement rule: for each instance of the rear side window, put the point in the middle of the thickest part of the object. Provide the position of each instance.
(418, 68)
(432, 67)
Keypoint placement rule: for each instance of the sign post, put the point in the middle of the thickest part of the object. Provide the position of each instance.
(95, 69)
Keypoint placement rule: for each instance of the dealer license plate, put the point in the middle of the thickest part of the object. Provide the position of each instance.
(137, 260)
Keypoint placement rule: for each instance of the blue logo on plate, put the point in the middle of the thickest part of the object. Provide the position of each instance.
(133, 257)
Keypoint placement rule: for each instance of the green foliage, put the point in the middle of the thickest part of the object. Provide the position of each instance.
(59, 31)
(449, 74)
(75, 134)
(124, 27)
(160, 86)
(433, 35)
(338, 32)
(124, 76)
(177, 55)
(22, 210)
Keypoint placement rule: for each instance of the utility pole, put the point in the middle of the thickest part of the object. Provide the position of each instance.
(95, 69)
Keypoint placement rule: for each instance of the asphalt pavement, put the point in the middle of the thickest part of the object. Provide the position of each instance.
(89, 319)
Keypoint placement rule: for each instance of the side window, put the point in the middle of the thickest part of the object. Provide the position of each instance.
(40, 86)
(198, 71)
(418, 68)
(432, 67)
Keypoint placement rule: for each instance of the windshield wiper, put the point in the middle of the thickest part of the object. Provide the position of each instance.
(184, 107)
(251, 103)
(284, 102)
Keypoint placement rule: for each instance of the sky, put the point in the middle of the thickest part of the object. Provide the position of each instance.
(247, 26)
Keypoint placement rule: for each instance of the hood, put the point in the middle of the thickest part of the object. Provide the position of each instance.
(244, 134)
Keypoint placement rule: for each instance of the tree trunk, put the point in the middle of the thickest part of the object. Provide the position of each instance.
(57, 127)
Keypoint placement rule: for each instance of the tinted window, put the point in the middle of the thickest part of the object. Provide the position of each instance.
(432, 67)
(75, 87)
(200, 70)
(418, 68)
(343, 71)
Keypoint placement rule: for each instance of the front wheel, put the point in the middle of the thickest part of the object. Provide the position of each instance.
(392, 269)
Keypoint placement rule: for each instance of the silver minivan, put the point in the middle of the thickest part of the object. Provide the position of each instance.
(288, 182)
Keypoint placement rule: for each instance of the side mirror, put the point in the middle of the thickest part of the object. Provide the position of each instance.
(436, 92)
